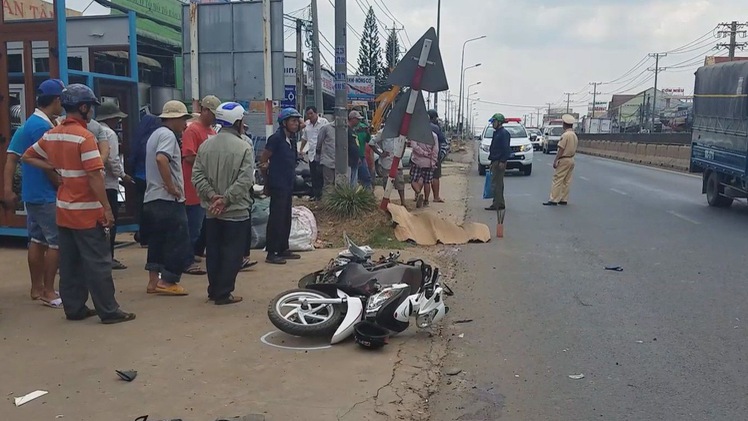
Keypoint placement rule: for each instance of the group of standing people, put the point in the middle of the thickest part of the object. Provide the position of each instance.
(426, 160)
(563, 165)
(189, 182)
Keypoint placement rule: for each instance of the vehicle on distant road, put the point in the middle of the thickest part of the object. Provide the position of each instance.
(521, 158)
(551, 137)
(719, 142)
(536, 138)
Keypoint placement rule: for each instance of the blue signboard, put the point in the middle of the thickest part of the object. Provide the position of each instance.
(289, 97)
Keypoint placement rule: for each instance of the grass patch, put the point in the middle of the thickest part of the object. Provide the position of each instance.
(344, 201)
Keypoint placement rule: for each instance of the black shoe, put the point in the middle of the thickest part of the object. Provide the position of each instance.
(275, 260)
(89, 312)
(491, 208)
(290, 256)
(563, 203)
(228, 300)
(549, 203)
(120, 318)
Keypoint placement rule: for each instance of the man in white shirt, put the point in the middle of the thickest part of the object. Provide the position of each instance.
(309, 136)
(109, 116)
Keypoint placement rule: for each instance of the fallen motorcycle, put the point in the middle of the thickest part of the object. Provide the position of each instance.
(352, 254)
(387, 296)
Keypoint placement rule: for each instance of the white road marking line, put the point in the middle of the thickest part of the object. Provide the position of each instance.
(584, 178)
(619, 192)
(683, 217)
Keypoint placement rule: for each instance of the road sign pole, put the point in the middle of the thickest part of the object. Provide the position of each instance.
(415, 91)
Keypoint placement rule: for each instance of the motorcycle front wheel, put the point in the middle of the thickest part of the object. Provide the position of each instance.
(288, 314)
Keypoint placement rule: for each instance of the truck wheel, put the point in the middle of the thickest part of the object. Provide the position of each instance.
(715, 191)
(481, 170)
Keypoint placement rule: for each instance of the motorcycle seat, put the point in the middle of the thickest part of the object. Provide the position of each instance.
(361, 280)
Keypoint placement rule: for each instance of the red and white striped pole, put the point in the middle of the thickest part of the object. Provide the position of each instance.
(415, 90)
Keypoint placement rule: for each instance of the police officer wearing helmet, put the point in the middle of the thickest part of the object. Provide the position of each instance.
(223, 175)
(278, 166)
(499, 154)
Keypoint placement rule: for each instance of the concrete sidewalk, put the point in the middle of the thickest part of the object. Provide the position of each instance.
(197, 361)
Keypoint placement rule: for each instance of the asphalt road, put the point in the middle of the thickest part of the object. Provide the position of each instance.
(666, 339)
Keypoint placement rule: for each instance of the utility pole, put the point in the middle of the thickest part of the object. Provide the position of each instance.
(657, 69)
(537, 110)
(341, 94)
(438, 26)
(568, 100)
(267, 68)
(194, 59)
(594, 96)
(318, 95)
(300, 103)
(734, 28)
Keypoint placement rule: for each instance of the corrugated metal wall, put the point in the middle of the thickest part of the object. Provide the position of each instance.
(230, 50)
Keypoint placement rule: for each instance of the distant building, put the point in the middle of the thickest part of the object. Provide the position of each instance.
(709, 60)
(634, 112)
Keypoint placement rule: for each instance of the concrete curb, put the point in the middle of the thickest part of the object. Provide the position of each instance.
(659, 155)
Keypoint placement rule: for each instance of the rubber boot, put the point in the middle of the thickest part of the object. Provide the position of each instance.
(500, 230)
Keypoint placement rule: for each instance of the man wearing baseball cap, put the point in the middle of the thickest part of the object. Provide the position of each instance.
(192, 138)
(164, 213)
(39, 192)
(564, 163)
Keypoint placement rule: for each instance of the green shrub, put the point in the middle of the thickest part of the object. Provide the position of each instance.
(344, 201)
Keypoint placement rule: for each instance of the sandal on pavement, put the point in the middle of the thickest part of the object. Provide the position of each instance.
(175, 290)
(229, 300)
(56, 303)
(121, 318)
(117, 265)
(86, 314)
(247, 264)
(440, 200)
(195, 270)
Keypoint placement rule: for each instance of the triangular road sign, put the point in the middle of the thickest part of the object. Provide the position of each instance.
(434, 79)
(419, 129)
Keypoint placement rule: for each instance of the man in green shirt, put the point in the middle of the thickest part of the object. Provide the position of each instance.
(361, 130)
(223, 175)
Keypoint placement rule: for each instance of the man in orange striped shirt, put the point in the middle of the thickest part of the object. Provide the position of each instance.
(83, 212)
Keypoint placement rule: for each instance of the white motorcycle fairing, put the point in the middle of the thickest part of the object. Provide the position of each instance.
(354, 313)
(434, 305)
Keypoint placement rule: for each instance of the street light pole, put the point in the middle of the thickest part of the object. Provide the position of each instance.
(461, 117)
(462, 75)
(438, 27)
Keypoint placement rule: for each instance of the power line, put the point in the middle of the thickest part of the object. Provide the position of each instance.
(690, 44)
(633, 69)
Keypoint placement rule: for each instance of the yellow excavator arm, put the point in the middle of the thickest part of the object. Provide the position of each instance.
(384, 101)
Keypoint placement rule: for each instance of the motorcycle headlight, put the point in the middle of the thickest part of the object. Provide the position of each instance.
(376, 301)
(485, 148)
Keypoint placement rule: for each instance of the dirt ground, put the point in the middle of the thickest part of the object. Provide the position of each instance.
(198, 361)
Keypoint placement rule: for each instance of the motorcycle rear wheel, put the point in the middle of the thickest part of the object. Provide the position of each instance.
(317, 320)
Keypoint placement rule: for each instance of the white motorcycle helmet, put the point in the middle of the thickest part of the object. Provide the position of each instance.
(229, 113)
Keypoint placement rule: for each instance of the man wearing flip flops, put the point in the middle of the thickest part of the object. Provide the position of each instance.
(39, 191)
(164, 211)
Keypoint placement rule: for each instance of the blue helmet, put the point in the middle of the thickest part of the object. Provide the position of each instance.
(77, 94)
(287, 113)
